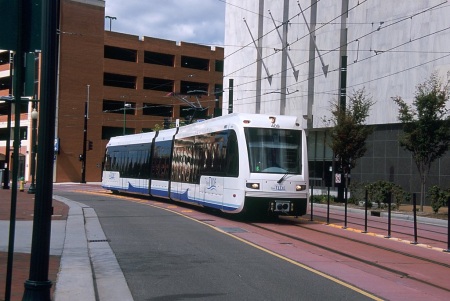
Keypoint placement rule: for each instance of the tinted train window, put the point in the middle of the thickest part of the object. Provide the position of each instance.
(161, 160)
(131, 161)
(274, 150)
(214, 154)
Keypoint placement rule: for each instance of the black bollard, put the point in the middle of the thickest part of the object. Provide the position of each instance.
(448, 225)
(346, 202)
(366, 206)
(415, 219)
(328, 207)
(312, 201)
(389, 215)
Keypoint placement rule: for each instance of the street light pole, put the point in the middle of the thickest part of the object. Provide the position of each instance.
(34, 117)
(83, 156)
(110, 20)
(8, 146)
(125, 107)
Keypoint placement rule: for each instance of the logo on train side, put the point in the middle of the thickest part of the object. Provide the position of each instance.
(112, 176)
(211, 183)
(278, 188)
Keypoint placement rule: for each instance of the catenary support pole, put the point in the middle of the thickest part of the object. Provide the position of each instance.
(37, 287)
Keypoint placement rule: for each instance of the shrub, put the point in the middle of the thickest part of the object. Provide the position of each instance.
(379, 192)
(322, 198)
(437, 197)
(357, 192)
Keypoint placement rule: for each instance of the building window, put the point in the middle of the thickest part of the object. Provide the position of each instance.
(119, 80)
(193, 88)
(157, 110)
(156, 58)
(219, 66)
(118, 107)
(5, 83)
(158, 84)
(194, 63)
(109, 131)
(121, 54)
(218, 90)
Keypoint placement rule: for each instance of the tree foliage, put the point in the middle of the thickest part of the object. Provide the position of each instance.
(438, 197)
(426, 125)
(349, 133)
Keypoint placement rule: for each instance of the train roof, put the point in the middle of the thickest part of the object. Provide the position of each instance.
(214, 124)
(248, 120)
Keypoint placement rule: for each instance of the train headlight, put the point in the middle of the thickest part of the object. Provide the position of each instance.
(300, 187)
(253, 185)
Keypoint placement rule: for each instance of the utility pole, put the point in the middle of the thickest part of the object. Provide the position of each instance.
(343, 84)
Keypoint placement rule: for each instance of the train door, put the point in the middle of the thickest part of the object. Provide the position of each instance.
(211, 189)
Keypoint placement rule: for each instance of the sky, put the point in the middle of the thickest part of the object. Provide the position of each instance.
(194, 21)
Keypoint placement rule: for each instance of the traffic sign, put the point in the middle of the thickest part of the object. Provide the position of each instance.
(29, 12)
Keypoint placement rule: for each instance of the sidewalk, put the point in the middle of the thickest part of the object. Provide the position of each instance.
(82, 265)
(22, 247)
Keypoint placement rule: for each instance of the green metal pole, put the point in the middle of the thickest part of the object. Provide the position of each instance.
(37, 287)
(18, 74)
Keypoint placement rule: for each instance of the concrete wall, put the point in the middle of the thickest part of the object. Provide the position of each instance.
(391, 46)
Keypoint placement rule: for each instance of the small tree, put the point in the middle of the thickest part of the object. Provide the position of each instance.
(349, 134)
(437, 197)
(426, 126)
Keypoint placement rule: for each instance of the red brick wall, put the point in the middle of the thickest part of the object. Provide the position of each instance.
(82, 63)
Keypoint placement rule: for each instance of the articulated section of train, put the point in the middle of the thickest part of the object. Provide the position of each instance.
(234, 163)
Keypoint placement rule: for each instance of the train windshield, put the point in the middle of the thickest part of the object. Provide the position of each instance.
(274, 150)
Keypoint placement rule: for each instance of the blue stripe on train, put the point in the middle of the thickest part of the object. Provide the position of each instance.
(184, 197)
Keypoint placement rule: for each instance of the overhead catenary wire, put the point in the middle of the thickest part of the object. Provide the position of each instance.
(371, 32)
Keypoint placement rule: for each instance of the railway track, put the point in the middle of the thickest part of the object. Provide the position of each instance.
(428, 234)
(398, 264)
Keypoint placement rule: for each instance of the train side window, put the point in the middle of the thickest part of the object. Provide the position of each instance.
(232, 155)
(160, 160)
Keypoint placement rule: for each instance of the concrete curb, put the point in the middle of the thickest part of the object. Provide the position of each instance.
(89, 269)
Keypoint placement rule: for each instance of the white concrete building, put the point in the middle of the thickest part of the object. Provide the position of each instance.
(292, 57)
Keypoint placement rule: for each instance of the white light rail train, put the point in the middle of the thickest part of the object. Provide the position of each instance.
(235, 163)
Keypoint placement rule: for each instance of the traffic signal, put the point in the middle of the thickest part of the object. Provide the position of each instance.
(80, 157)
(90, 145)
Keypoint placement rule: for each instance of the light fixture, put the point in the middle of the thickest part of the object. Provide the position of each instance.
(253, 185)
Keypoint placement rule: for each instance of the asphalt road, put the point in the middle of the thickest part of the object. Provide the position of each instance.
(165, 256)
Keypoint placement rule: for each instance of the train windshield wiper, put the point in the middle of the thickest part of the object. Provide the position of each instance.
(282, 178)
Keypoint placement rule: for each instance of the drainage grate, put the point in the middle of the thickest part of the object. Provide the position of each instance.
(99, 240)
(232, 229)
